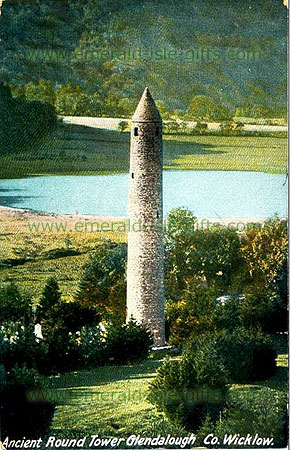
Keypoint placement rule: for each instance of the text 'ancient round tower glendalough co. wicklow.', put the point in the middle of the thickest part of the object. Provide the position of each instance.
(145, 271)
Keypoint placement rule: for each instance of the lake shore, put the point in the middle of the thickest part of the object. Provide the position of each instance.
(27, 215)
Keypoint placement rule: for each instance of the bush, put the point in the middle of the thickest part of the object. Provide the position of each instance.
(193, 314)
(227, 315)
(246, 355)
(127, 343)
(69, 316)
(24, 377)
(32, 418)
(63, 352)
(123, 126)
(19, 345)
(260, 411)
(192, 389)
(14, 307)
(92, 346)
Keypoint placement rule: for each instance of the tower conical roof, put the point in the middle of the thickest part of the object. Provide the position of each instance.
(146, 110)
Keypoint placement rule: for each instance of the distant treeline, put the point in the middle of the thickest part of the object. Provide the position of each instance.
(23, 123)
(73, 100)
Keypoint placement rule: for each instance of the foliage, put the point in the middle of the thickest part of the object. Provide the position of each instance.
(50, 297)
(25, 377)
(191, 389)
(70, 316)
(102, 284)
(92, 346)
(260, 411)
(71, 100)
(20, 346)
(201, 107)
(247, 355)
(265, 251)
(123, 126)
(193, 313)
(14, 307)
(227, 313)
(212, 253)
(16, 408)
(41, 91)
(127, 343)
(23, 123)
(63, 351)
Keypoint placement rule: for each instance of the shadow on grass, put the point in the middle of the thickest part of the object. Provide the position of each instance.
(104, 375)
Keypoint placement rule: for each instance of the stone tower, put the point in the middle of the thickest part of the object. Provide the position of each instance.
(145, 272)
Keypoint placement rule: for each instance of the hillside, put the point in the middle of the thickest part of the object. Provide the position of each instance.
(167, 39)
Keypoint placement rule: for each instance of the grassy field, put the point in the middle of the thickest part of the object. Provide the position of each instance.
(111, 401)
(30, 258)
(78, 149)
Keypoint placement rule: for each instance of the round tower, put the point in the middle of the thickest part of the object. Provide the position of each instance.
(145, 269)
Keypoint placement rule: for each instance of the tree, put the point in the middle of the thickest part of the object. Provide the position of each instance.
(201, 107)
(95, 105)
(51, 296)
(23, 124)
(212, 253)
(103, 284)
(221, 112)
(71, 100)
(41, 91)
(192, 315)
(265, 251)
(14, 307)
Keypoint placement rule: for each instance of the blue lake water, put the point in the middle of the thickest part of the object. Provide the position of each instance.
(214, 194)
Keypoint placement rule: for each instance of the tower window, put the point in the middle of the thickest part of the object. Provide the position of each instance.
(157, 215)
(157, 131)
(132, 174)
(136, 131)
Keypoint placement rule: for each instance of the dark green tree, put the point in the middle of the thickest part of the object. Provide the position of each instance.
(50, 297)
(103, 283)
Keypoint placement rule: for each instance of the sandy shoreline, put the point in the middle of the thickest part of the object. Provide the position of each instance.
(33, 216)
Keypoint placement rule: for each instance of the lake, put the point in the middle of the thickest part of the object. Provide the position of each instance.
(212, 194)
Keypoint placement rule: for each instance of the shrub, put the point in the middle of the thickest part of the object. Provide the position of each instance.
(227, 315)
(24, 377)
(32, 418)
(123, 126)
(247, 355)
(63, 352)
(92, 346)
(127, 343)
(20, 345)
(193, 314)
(70, 317)
(261, 411)
(200, 127)
(192, 389)
(3, 378)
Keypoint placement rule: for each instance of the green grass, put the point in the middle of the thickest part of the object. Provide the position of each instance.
(111, 401)
(80, 150)
(30, 258)
(108, 401)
